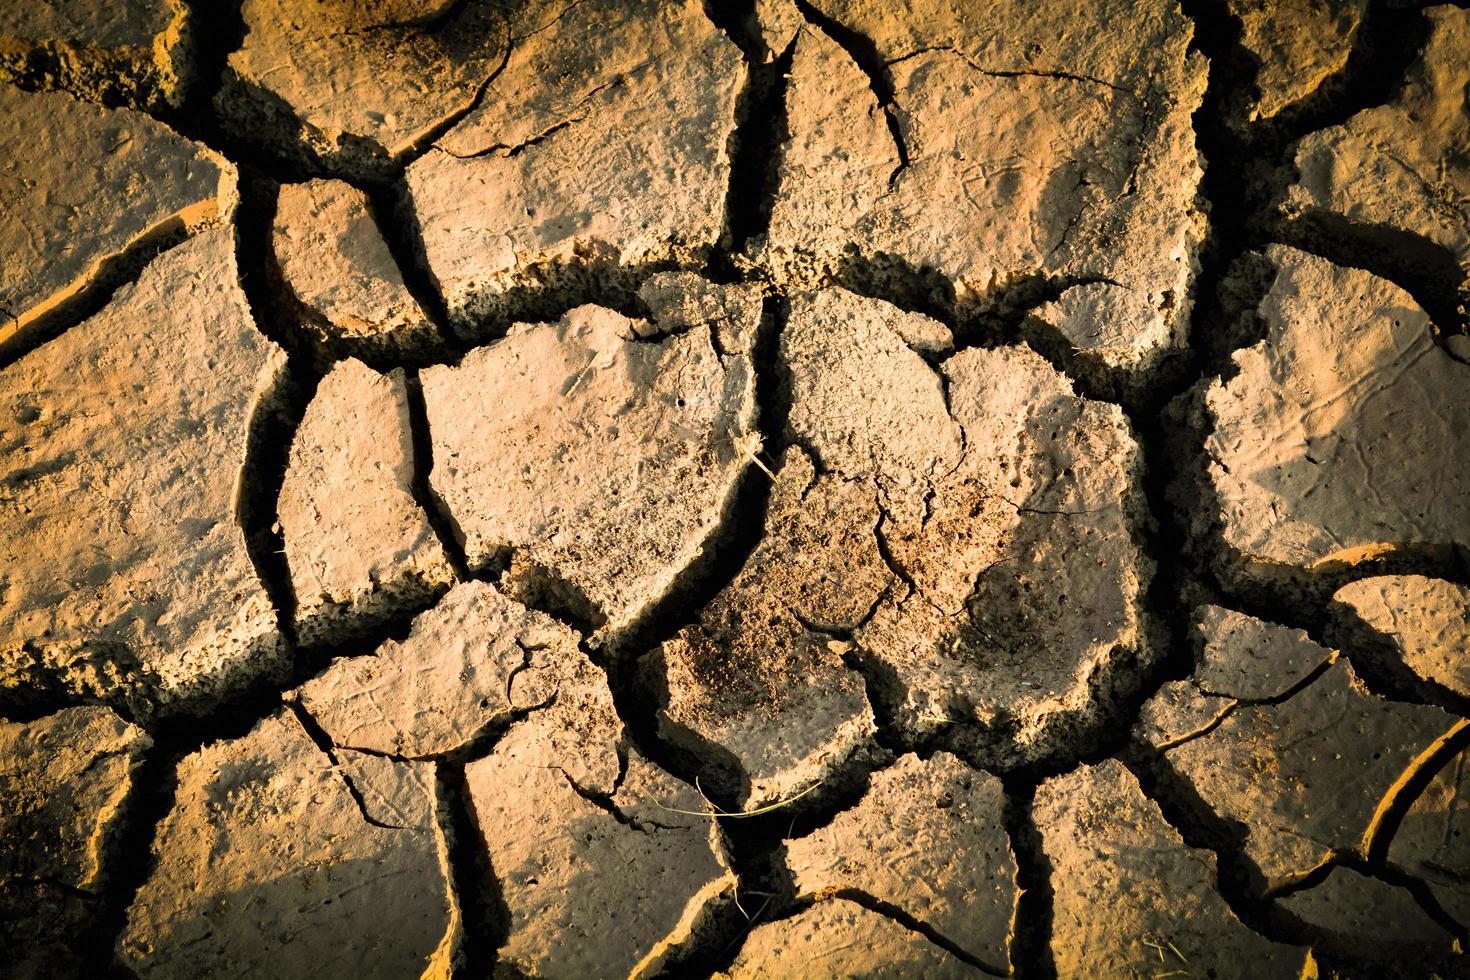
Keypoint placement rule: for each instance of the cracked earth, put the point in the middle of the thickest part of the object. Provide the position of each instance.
(582, 488)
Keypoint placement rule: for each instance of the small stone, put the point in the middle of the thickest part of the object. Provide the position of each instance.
(1337, 440)
(928, 837)
(837, 939)
(123, 439)
(1427, 621)
(89, 194)
(465, 667)
(136, 53)
(608, 881)
(757, 676)
(359, 547)
(1307, 775)
(335, 263)
(357, 88)
(1122, 879)
(1370, 920)
(638, 102)
(1078, 165)
(600, 459)
(279, 858)
(1299, 46)
(1398, 172)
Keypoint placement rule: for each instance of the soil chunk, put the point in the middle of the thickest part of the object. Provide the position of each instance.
(466, 667)
(90, 194)
(333, 260)
(353, 87)
(65, 786)
(596, 453)
(124, 439)
(1338, 438)
(1131, 899)
(1300, 48)
(760, 676)
(137, 53)
(1391, 183)
(638, 101)
(1009, 511)
(1077, 164)
(928, 838)
(607, 865)
(282, 857)
(1426, 620)
(837, 939)
(359, 547)
(1307, 770)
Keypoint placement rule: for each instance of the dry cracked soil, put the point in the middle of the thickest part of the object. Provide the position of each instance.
(792, 488)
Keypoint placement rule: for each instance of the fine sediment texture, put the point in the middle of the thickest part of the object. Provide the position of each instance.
(577, 488)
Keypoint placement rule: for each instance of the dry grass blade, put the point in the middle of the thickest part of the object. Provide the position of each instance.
(580, 374)
(749, 445)
(715, 812)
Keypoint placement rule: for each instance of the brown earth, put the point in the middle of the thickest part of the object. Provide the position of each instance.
(783, 488)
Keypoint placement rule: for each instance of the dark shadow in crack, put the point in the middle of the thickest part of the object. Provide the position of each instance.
(486, 918)
(1238, 881)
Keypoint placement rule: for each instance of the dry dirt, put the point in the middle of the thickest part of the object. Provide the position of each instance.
(783, 488)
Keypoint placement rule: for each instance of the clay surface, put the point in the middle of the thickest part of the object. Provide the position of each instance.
(1299, 47)
(607, 864)
(89, 193)
(1432, 842)
(838, 939)
(1373, 918)
(761, 676)
(1426, 620)
(592, 453)
(638, 102)
(336, 265)
(123, 442)
(237, 885)
(1131, 899)
(1395, 176)
(135, 53)
(1078, 167)
(66, 782)
(991, 479)
(927, 836)
(467, 665)
(358, 545)
(1306, 771)
(1332, 443)
(1240, 660)
(356, 87)
(734, 488)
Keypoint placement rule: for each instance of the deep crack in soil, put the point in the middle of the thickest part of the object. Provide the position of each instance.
(764, 648)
